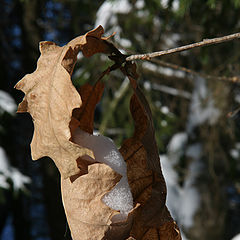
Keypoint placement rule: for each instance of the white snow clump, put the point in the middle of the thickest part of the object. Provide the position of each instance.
(105, 151)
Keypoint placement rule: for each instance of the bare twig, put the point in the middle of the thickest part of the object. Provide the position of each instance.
(234, 79)
(171, 91)
(205, 42)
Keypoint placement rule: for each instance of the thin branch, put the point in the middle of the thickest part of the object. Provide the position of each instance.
(171, 91)
(234, 79)
(205, 42)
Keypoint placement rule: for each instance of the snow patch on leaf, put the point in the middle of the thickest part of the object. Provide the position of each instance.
(105, 151)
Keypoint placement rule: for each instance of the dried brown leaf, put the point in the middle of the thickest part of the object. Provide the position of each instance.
(141, 230)
(50, 98)
(58, 110)
(93, 221)
(87, 216)
(146, 181)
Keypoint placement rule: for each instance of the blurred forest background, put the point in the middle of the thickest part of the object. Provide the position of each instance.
(194, 97)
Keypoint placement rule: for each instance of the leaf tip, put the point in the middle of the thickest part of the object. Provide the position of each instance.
(19, 85)
(23, 106)
(97, 32)
(46, 46)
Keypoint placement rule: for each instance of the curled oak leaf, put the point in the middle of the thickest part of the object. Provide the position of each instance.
(144, 171)
(86, 208)
(95, 220)
(142, 179)
(50, 98)
(87, 215)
